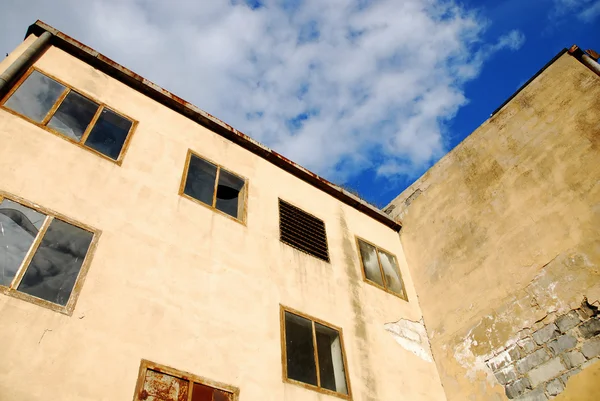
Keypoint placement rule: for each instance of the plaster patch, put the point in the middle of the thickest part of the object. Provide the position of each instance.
(411, 336)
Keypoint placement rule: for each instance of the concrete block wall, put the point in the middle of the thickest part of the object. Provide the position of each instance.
(538, 366)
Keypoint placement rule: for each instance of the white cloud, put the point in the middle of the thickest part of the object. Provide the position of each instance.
(339, 86)
(585, 10)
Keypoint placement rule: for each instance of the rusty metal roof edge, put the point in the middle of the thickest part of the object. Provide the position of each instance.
(150, 89)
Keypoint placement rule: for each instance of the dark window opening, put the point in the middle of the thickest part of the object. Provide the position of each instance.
(62, 110)
(302, 231)
(323, 367)
(214, 186)
(58, 250)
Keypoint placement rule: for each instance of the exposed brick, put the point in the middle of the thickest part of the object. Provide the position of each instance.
(590, 362)
(562, 343)
(535, 395)
(532, 360)
(545, 334)
(514, 351)
(591, 348)
(573, 358)
(517, 388)
(555, 387)
(545, 372)
(527, 345)
(499, 361)
(564, 378)
(506, 374)
(585, 311)
(568, 321)
(590, 328)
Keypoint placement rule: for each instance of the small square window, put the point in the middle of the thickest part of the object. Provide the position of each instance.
(380, 268)
(43, 257)
(161, 383)
(61, 110)
(313, 354)
(213, 186)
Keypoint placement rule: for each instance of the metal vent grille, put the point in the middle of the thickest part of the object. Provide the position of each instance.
(302, 231)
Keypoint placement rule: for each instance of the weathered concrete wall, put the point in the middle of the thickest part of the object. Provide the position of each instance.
(177, 284)
(502, 236)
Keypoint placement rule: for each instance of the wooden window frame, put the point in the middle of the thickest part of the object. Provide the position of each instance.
(282, 310)
(364, 275)
(68, 88)
(12, 290)
(191, 378)
(244, 198)
(328, 260)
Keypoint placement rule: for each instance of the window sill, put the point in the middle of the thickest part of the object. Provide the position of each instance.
(374, 284)
(317, 389)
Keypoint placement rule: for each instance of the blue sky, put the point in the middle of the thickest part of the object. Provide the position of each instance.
(367, 93)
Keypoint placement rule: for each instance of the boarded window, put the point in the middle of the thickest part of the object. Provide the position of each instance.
(41, 254)
(161, 383)
(62, 110)
(381, 268)
(302, 231)
(213, 186)
(313, 353)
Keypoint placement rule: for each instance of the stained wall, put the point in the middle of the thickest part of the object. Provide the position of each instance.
(175, 283)
(502, 238)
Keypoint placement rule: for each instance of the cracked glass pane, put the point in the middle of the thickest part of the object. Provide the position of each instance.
(73, 115)
(35, 97)
(299, 348)
(368, 253)
(200, 182)
(19, 225)
(55, 266)
(392, 273)
(109, 134)
(229, 194)
(331, 362)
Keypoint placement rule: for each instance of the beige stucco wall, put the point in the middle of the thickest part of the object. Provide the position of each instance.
(177, 284)
(503, 234)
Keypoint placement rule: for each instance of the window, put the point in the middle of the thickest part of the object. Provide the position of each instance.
(313, 354)
(43, 257)
(61, 110)
(213, 186)
(302, 231)
(380, 268)
(161, 383)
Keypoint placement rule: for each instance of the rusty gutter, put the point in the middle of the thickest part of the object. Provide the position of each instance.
(177, 104)
(585, 58)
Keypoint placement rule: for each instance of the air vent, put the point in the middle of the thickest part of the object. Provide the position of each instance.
(302, 231)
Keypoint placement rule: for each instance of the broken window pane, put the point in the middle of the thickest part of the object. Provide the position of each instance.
(331, 362)
(35, 97)
(109, 134)
(19, 225)
(300, 354)
(368, 253)
(159, 386)
(392, 274)
(56, 263)
(229, 199)
(73, 115)
(200, 182)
